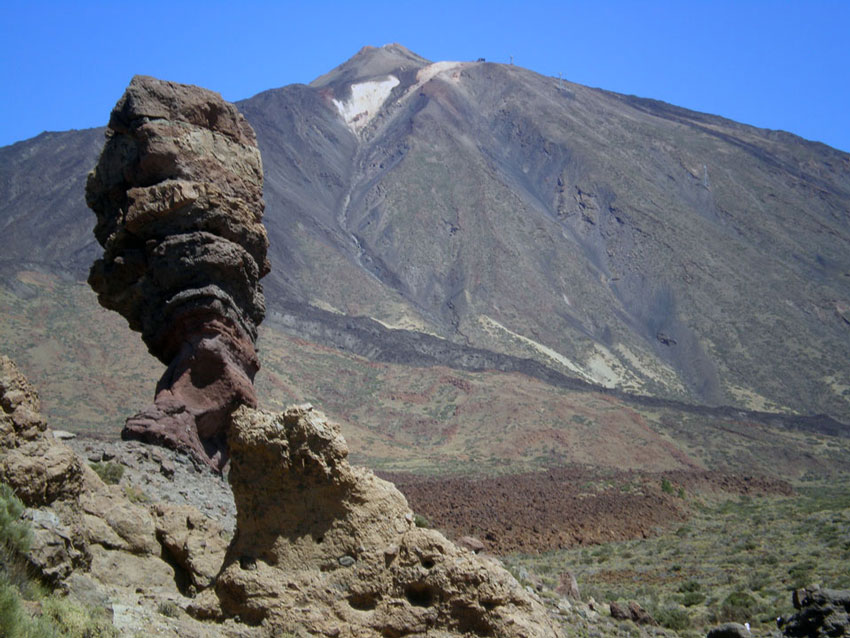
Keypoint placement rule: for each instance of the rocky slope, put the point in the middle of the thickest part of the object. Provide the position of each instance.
(90, 540)
(485, 216)
(320, 548)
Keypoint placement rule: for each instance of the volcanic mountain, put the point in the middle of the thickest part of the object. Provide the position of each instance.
(480, 216)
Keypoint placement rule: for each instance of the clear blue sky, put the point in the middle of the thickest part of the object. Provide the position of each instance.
(778, 64)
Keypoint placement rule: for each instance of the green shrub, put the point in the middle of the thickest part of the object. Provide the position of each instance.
(690, 586)
(135, 495)
(14, 533)
(801, 574)
(739, 606)
(168, 608)
(691, 598)
(109, 473)
(666, 486)
(421, 521)
(60, 618)
(672, 618)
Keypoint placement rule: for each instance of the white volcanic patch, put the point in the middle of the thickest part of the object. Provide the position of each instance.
(549, 352)
(365, 101)
(428, 72)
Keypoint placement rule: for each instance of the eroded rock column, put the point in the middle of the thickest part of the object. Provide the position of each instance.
(178, 196)
(329, 549)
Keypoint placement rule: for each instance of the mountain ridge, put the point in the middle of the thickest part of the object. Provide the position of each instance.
(527, 216)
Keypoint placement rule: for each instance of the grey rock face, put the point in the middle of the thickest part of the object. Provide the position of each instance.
(729, 630)
(821, 613)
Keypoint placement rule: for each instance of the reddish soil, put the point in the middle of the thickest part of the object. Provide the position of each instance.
(564, 507)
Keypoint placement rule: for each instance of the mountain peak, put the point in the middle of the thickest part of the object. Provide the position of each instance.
(371, 62)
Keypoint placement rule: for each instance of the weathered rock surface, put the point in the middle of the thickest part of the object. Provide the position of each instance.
(568, 586)
(178, 196)
(196, 543)
(55, 552)
(39, 468)
(321, 548)
(333, 549)
(632, 611)
(92, 541)
(821, 613)
(729, 630)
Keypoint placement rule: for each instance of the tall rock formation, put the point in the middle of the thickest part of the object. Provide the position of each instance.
(178, 196)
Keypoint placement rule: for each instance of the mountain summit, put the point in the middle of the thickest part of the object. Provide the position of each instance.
(480, 215)
(622, 241)
(370, 63)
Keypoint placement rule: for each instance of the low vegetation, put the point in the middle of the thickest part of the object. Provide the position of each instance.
(109, 473)
(734, 560)
(27, 608)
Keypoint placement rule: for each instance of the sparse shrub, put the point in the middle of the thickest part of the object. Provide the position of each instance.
(739, 606)
(15, 537)
(603, 553)
(690, 586)
(749, 545)
(168, 608)
(135, 495)
(72, 620)
(60, 618)
(801, 574)
(421, 521)
(109, 473)
(11, 614)
(681, 492)
(691, 598)
(666, 486)
(672, 618)
(759, 580)
(842, 582)
(14, 533)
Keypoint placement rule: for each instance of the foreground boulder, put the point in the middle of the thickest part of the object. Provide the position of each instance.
(729, 630)
(821, 613)
(635, 613)
(178, 196)
(331, 549)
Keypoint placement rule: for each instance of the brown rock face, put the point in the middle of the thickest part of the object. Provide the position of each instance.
(331, 549)
(178, 197)
(39, 468)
